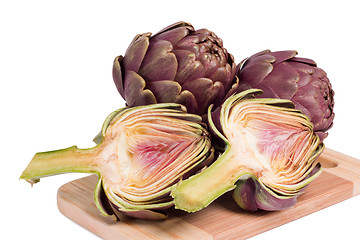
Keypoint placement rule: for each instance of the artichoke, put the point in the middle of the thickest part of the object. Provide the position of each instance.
(282, 75)
(143, 152)
(179, 65)
(270, 156)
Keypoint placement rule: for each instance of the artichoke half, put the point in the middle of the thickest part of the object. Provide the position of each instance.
(269, 158)
(178, 64)
(142, 152)
(283, 75)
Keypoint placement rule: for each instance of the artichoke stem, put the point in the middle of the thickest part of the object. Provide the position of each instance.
(60, 161)
(200, 190)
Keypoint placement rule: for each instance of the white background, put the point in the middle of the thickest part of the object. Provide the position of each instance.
(56, 87)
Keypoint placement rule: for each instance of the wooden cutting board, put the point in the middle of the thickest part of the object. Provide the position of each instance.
(223, 219)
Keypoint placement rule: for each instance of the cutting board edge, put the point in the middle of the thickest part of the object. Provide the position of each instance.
(128, 230)
(73, 212)
(344, 166)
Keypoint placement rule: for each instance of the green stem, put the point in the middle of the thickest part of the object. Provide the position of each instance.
(61, 161)
(200, 190)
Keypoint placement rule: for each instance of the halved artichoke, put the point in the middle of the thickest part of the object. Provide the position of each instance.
(270, 156)
(142, 152)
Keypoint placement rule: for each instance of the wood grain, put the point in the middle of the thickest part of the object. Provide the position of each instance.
(223, 219)
(343, 166)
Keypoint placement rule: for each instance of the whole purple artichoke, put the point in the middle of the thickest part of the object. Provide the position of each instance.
(282, 75)
(178, 64)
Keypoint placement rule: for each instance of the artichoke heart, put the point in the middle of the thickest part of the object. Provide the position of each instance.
(270, 156)
(141, 153)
